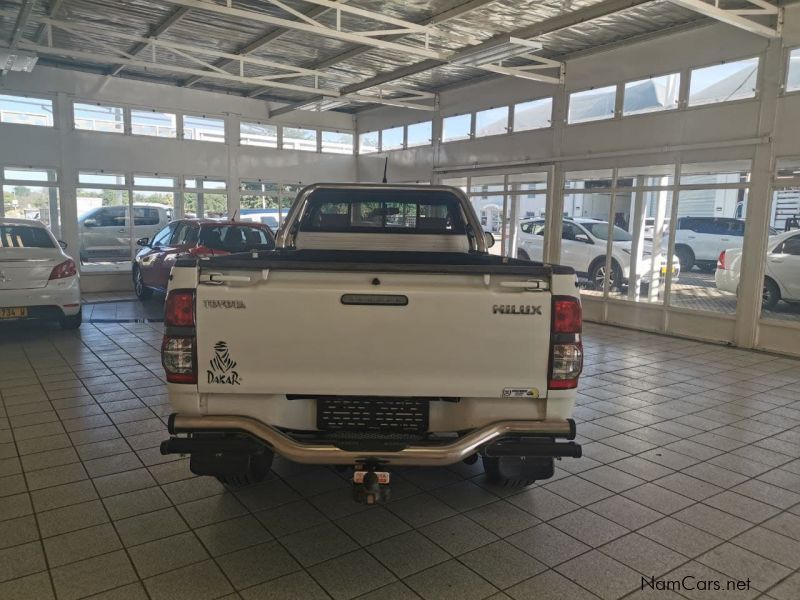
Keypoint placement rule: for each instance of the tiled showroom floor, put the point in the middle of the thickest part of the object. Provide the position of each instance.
(691, 467)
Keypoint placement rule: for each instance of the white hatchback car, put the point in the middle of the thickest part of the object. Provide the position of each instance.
(781, 273)
(38, 280)
(583, 247)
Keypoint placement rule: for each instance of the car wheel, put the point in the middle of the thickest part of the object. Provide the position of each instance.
(142, 292)
(517, 471)
(708, 267)
(522, 254)
(685, 257)
(770, 294)
(597, 275)
(72, 321)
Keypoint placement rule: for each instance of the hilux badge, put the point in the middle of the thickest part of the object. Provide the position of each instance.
(222, 366)
(517, 309)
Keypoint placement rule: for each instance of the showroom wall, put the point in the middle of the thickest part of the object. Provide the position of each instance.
(714, 151)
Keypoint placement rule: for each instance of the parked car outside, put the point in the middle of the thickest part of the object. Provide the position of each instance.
(38, 280)
(781, 273)
(200, 237)
(583, 247)
(699, 240)
(105, 232)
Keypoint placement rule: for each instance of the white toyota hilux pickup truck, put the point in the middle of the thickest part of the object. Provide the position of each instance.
(379, 332)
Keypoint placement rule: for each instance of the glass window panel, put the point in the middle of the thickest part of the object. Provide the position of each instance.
(721, 83)
(487, 183)
(153, 123)
(96, 117)
(258, 134)
(526, 183)
(592, 105)
(456, 127)
(392, 138)
(104, 230)
(26, 111)
(793, 71)
(535, 114)
(91, 178)
(715, 173)
(577, 180)
(651, 95)
(782, 268)
(22, 174)
(153, 181)
(493, 121)
(709, 221)
(419, 134)
(368, 142)
(297, 138)
(337, 142)
(459, 182)
(32, 202)
(649, 176)
(194, 183)
(204, 129)
(787, 168)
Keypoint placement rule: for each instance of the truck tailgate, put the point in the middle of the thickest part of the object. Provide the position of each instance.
(378, 333)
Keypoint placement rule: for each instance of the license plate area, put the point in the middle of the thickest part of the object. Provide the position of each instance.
(15, 312)
(373, 414)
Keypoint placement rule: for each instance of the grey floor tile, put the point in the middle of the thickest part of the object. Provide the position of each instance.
(150, 526)
(351, 575)
(318, 544)
(71, 518)
(408, 553)
(31, 587)
(549, 585)
(658, 498)
(21, 560)
(788, 589)
(63, 495)
(231, 535)
(212, 510)
(135, 503)
(643, 555)
(394, 591)
(688, 486)
(371, 525)
(589, 527)
(200, 581)
(577, 489)
(502, 564)
(450, 581)
(548, 544)
(737, 562)
(600, 574)
(786, 524)
(15, 506)
(296, 586)
(78, 545)
(458, 534)
(132, 591)
(166, 554)
(769, 544)
(680, 537)
(91, 576)
(420, 509)
(18, 531)
(257, 564)
(742, 506)
(502, 518)
(625, 512)
(712, 520)
(542, 503)
(464, 495)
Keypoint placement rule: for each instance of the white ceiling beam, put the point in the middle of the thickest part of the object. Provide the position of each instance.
(732, 18)
(93, 57)
(158, 30)
(346, 36)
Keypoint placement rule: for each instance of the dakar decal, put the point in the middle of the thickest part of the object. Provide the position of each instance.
(223, 366)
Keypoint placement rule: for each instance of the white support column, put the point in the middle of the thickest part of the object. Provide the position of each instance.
(751, 282)
(232, 142)
(67, 178)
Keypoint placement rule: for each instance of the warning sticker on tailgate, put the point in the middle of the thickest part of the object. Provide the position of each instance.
(520, 393)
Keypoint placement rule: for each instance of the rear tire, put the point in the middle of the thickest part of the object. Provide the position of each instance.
(685, 257)
(771, 294)
(257, 470)
(522, 254)
(72, 321)
(517, 471)
(597, 275)
(142, 292)
(709, 267)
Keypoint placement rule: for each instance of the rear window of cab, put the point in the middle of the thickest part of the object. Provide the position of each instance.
(24, 236)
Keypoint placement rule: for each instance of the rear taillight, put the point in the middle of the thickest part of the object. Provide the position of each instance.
(178, 359)
(179, 309)
(566, 348)
(64, 269)
(721, 260)
(178, 353)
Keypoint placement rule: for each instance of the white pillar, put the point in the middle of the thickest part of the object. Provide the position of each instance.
(232, 180)
(67, 178)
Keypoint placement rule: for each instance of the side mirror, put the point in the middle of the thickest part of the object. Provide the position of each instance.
(90, 223)
(489, 238)
(582, 237)
(63, 244)
(143, 242)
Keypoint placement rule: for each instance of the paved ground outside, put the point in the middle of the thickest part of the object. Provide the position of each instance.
(691, 467)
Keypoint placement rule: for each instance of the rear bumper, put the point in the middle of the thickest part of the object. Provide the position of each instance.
(60, 297)
(444, 453)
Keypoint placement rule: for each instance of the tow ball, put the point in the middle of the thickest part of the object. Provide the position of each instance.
(369, 485)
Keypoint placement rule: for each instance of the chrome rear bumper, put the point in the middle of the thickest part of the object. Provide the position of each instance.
(439, 454)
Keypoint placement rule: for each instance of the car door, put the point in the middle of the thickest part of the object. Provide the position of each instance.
(150, 259)
(783, 265)
(183, 238)
(105, 235)
(574, 247)
(731, 234)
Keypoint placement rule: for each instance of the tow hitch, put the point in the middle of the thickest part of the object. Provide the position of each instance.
(370, 486)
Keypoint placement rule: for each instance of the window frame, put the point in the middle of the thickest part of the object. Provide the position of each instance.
(470, 131)
(615, 113)
(680, 103)
(126, 116)
(183, 137)
(756, 93)
(149, 109)
(513, 115)
(53, 107)
(506, 129)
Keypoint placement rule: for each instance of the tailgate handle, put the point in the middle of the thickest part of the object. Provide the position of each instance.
(220, 278)
(530, 286)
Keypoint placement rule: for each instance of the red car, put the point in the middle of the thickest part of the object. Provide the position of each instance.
(201, 237)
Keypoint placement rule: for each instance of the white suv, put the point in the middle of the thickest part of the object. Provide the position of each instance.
(583, 247)
(699, 240)
(105, 232)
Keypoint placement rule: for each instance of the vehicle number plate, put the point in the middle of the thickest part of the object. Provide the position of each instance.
(383, 477)
(15, 312)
